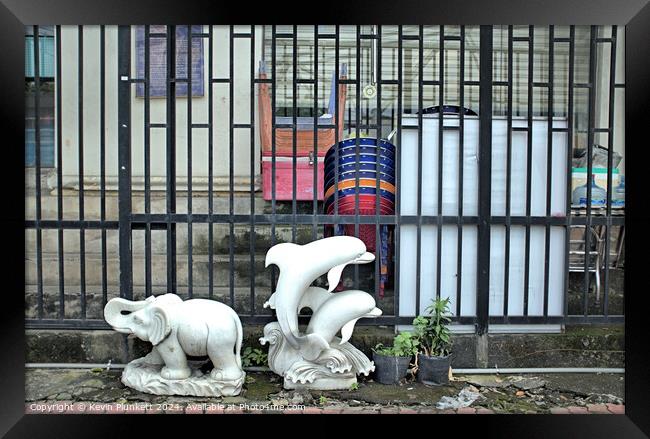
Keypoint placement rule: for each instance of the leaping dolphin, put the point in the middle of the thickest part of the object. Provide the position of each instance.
(299, 266)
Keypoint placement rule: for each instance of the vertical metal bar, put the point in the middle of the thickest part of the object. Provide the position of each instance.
(190, 289)
(252, 169)
(315, 109)
(210, 167)
(549, 167)
(506, 273)
(337, 112)
(570, 121)
(418, 259)
(80, 140)
(610, 150)
(147, 161)
(294, 133)
(461, 160)
(171, 157)
(102, 157)
(273, 142)
(378, 247)
(124, 160)
(37, 169)
(529, 158)
(398, 172)
(231, 166)
(590, 143)
(357, 118)
(59, 174)
(441, 101)
(485, 182)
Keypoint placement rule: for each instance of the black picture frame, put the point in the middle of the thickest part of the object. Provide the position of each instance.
(634, 14)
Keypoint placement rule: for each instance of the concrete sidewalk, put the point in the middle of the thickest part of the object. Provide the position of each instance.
(55, 391)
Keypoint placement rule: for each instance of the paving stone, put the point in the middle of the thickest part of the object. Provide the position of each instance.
(598, 409)
(332, 411)
(560, 411)
(312, 410)
(484, 411)
(407, 411)
(617, 409)
(213, 409)
(525, 383)
(578, 410)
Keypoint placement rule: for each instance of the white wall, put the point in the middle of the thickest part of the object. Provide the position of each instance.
(91, 115)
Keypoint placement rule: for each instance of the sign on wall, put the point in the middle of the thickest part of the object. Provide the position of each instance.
(158, 61)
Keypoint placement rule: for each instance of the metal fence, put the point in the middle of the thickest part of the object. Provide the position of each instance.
(558, 99)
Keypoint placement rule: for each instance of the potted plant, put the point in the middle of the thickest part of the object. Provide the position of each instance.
(432, 361)
(391, 363)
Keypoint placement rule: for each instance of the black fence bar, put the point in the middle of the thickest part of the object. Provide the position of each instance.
(485, 183)
(231, 165)
(59, 174)
(124, 160)
(147, 160)
(315, 189)
(591, 123)
(441, 123)
(461, 166)
(80, 141)
(37, 173)
(190, 251)
(210, 163)
(171, 158)
(529, 161)
(357, 117)
(274, 85)
(102, 159)
(398, 173)
(506, 273)
(252, 170)
(418, 248)
(549, 163)
(379, 285)
(610, 151)
(294, 131)
(570, 122)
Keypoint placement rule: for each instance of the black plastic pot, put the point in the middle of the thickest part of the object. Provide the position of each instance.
(390, 369)
(433, 370)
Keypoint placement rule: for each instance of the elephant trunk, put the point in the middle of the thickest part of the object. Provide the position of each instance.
(113, 313)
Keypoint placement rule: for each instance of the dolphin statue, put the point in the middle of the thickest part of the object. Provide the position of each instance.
(299, 266)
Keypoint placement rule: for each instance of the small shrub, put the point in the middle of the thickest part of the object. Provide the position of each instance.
(254, 357)
(405, 344)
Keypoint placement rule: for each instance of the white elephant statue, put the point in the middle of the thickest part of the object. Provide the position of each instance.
(177, 328)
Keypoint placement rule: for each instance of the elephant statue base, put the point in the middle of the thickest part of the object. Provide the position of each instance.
(178, 329)
(145, 377)
(336, 368)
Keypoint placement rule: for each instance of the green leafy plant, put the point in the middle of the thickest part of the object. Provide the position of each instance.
(322, 400)
(432, 329)
(353, 387)
(253, 357)
(405, 344)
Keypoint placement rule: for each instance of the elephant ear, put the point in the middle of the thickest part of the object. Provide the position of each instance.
(160, 326)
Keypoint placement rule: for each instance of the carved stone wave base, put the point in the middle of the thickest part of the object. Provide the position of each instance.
(336, 368)
(146, 378)
(333, 383)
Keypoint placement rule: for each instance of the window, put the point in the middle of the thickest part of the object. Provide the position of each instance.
(45, 94)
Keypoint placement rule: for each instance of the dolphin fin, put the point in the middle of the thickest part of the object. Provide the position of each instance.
(311, 346)
(271, 302)
(346, 330)
(334, 276)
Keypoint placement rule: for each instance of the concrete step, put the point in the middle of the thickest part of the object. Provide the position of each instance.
(578, 346)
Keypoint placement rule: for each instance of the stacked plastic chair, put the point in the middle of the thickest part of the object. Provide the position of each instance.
(364, 164)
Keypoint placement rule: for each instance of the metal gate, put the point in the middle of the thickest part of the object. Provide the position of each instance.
(485, 76)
